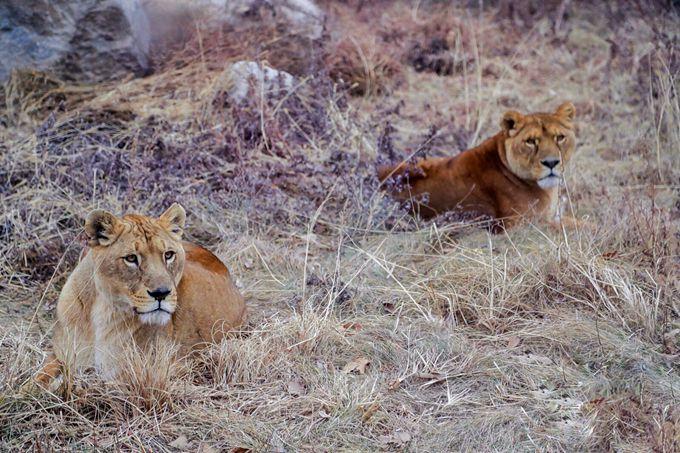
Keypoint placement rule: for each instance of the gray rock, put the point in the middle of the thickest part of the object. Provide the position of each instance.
(84, 40)
(302, 17)
(263, 79)
(306, 17)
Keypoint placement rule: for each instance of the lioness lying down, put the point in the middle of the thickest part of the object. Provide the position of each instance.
(137, 282)
(511, 176)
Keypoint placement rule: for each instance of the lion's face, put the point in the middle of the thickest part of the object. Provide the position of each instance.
(539, 145)
(139, 261)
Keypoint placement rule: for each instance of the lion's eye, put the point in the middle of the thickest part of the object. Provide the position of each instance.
(131, 259)
(169, 255)
(559, 138)
(531, 142)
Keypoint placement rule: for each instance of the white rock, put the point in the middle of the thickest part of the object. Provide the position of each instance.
(304, 16)
(265, 80)
(301, 17)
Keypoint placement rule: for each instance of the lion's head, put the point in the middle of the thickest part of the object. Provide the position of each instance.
(138, 261)
(539, 145)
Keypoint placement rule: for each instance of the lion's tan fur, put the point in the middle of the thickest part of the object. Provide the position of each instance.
(103, 306)
(505, 177)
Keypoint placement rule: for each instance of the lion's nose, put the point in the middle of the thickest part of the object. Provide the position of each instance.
(550, 163)
(159, 293)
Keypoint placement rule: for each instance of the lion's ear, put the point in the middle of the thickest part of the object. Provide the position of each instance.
(566, 110)
(174, 218)
(100, 227)
(511, 121)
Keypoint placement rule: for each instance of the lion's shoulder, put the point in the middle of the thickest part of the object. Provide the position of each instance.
(203, 258)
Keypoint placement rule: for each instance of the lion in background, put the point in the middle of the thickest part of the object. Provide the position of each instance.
(511, 176)
(138, 282)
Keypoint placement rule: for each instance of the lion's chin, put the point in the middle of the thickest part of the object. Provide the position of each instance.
(549, 182)
(156, 318)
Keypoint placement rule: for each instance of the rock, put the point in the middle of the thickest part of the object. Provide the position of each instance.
(264, 79)
(306, 17)
(83, 40)
(302, 17)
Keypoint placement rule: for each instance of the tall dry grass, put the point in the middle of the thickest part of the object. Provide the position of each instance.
(368, 330)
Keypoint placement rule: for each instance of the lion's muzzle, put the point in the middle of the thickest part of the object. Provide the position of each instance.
(156, 312)
(552, 179)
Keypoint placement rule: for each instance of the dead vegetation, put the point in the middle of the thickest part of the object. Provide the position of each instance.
(368, 330)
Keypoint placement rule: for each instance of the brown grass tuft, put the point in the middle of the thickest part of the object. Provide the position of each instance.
(362, 64)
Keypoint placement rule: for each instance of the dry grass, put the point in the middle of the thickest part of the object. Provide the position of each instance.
(368, 331)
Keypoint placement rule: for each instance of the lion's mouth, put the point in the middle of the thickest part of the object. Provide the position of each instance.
(161, 308)
(155, 310)
(158, 316)
(549, 181)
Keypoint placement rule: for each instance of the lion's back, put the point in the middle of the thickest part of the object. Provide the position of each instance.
(209, 302)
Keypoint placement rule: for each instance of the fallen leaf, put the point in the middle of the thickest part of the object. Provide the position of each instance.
(536, 358)
(513, 342)
(610, 255)
(399, 438)
(394, 385)
(359, 365)
(402, 436)
(240, 450)
(181, 443)
(369, 411)
(596, 401)
(351, 326)
(296, 388)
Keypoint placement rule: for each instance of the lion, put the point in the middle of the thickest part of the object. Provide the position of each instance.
(510, 177)
(137, 282)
